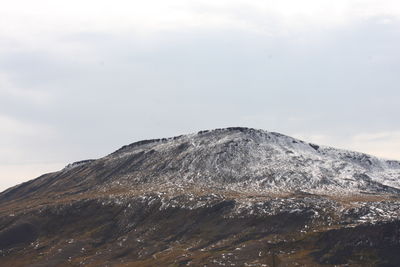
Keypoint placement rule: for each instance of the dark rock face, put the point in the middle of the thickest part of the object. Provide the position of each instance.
(17, 234)
(226, 197)
(372, 244)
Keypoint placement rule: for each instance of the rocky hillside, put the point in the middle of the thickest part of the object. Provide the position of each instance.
(226, 197)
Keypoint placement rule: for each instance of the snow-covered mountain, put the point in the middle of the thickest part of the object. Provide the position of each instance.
(225, 197)
(237, 159)
(248, 159)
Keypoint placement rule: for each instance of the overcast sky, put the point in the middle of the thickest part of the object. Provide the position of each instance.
(79, 79)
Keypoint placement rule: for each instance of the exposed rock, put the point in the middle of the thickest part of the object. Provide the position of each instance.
(225, 197)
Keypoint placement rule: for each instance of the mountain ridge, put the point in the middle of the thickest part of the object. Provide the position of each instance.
(239, 158)
(225, 197)
(242, 135)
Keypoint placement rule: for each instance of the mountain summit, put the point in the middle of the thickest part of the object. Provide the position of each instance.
(202, 199)
(236, 159)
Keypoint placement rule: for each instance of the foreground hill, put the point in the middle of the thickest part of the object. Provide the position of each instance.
(226, 197)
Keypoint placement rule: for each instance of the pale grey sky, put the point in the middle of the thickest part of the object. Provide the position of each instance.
(79, 79)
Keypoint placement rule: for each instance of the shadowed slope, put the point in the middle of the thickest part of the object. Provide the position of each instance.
(226, 197)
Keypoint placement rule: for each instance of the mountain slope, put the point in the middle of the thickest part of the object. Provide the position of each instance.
(221, 197)
(234, 158)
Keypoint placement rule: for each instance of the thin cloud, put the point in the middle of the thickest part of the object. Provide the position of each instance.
(79, 79)
(47, 17)
(9, 90)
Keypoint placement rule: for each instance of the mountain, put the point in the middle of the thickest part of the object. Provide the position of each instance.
(225, 197)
